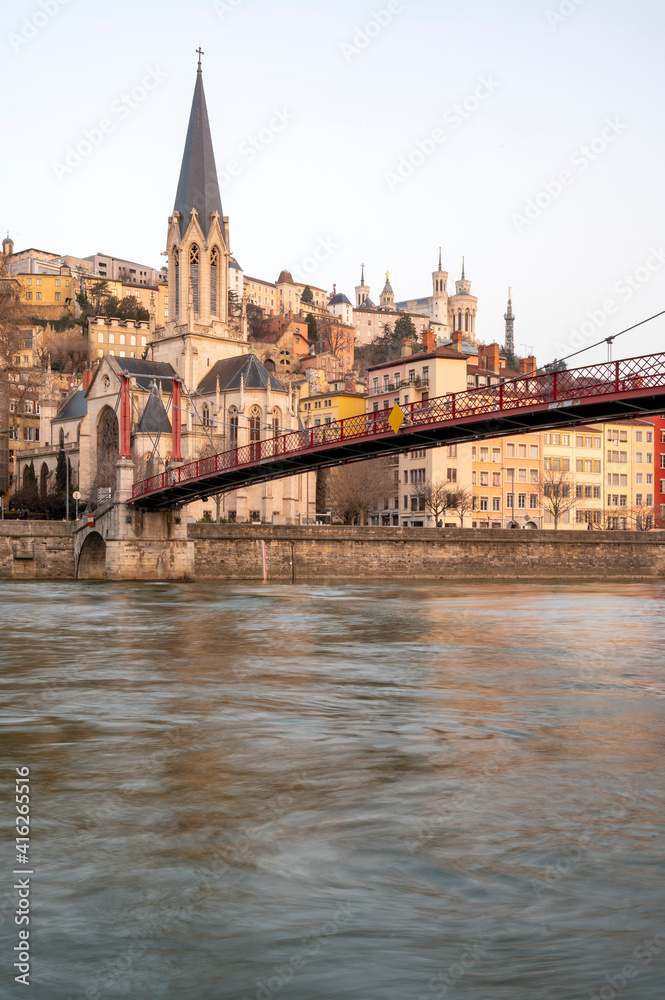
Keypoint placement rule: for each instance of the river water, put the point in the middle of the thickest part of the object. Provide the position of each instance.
(351, 792)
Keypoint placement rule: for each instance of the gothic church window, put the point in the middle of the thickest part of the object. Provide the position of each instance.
(194, 275)
(214, 271)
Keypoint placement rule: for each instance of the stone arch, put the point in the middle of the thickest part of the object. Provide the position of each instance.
(92, 558)
(107, 427)
(43, 480)
(205, 415)
(26, 473)
(459, 319)
(276, 420)
(466, 321)
(270, 364)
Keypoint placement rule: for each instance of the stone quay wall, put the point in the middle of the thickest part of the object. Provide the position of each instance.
(235, 552)
(45, 550)
(37, 550)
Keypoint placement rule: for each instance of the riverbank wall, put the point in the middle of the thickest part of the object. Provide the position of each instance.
(45, 550)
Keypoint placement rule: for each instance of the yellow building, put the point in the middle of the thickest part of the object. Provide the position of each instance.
(338, 400)
(50, 295)
(148, 295)
(123, 338)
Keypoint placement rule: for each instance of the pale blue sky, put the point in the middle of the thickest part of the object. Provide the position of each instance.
(551, 87)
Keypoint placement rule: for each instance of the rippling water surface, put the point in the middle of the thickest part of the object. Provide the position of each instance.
(357, 792)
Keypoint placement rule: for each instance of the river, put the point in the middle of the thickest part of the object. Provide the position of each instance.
(337, 792)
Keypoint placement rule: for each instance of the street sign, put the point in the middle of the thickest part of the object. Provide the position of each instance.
(396, 418)
(77, 495)
(91, 520)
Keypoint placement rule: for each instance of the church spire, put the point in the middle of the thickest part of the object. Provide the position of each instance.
(440, 268)
(198, 187)
(462, 268)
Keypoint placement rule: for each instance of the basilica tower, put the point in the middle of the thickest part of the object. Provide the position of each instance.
(362, 290)
(462, 307)
(439, 307)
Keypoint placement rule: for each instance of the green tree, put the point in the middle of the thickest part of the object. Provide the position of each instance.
(307, 296)
(31, 479)
(128, 307)
(61, 472)
(405, 328)
(312, 331)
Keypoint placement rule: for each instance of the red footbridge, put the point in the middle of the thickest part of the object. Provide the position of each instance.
(611, 391)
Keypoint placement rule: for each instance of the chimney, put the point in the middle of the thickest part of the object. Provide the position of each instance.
(524, 366)
(407, 347)
(531, 361)
(493, 362)
(457, 340)
(429, 341)
(350, 381)
(272, 312)
(482, 356)
(87, 379)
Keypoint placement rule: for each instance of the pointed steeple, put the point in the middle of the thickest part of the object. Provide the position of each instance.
(198, 186)
(362, 273)
(509, 318)
(440, 268)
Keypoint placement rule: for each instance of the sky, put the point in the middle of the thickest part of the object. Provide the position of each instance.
(526, 136)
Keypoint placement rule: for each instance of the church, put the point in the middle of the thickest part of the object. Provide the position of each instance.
(199, 375)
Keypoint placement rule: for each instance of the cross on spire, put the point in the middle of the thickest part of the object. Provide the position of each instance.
(200, 53)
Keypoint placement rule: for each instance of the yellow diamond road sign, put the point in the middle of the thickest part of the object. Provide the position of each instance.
(396, 418)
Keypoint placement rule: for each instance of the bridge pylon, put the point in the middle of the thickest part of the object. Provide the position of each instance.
(124, 543)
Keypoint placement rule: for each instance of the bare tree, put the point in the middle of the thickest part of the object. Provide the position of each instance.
(643, 517)
(557, 491)
(459, 502)
(435, 495)
(358, 488)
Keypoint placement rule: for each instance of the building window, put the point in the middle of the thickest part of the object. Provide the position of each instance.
(28, 296)
(484, 478)
(57, 296)
(510, 450)
(496, 479)
(38, 296)
(510, 499)
(496, 454)
(484, 503)
(451, 475)
(496, 503)
(533, 501)
(521, 499)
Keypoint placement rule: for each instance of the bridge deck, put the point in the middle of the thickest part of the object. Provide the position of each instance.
(610, 391)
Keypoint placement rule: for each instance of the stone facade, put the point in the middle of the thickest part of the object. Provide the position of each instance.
(36, 550)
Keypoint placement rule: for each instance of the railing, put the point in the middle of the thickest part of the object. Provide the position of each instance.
(531, 390)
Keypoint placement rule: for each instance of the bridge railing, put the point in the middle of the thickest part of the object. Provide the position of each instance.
(530, 390)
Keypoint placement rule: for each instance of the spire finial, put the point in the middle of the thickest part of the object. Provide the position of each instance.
(387, 276)
(440, 259)
(462, 268)
(200, 53)
(362, 274)
(510, 293)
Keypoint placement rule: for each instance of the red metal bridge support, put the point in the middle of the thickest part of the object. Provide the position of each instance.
(176, 421)
(125, 419)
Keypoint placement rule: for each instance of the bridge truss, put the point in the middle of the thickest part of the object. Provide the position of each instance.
(607, 391)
